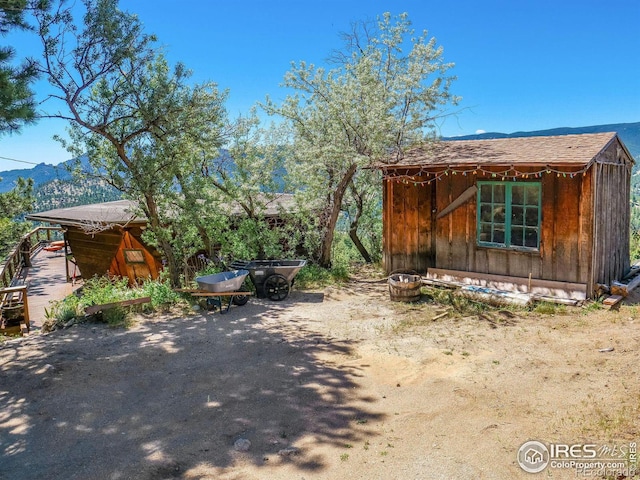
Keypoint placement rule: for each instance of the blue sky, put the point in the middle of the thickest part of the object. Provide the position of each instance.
(521, 64)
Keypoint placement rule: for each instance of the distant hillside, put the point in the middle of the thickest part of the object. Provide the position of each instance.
(55, 187)
(41, 174)
(628, 132)
(69, 193)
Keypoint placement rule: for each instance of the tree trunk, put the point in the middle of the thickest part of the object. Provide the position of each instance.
(332, 214)
(163, 243)
(172, 264)
(353, 228)
(353, 233)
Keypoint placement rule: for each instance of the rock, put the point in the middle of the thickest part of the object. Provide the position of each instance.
(242, 445)
(70, 323)
(289, 451)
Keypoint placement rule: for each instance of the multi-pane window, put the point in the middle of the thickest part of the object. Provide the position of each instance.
(509, 214)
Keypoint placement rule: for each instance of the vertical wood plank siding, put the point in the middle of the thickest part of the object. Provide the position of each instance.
(584, 227)
(611, 216)
(135, 272)
(564, 209)
(407, 232)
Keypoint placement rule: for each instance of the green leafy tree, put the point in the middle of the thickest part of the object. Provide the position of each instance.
(17, 109)
(375, 101)
(362, 205)
(126, 107)
(17, 104)
(14, 204)
(225, 193)
(17, 201)
(248, 178)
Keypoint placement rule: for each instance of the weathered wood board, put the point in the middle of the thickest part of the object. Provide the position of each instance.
(573, 291)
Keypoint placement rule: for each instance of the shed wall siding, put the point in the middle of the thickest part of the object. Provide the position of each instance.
(101, 253)
(407, 231)
(612, 215)
(565, 244)
(93, 253)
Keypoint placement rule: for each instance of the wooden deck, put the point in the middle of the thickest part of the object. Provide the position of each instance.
(47, 281)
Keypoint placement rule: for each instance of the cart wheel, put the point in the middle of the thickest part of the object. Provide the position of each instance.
(276, 287)
(240, 299)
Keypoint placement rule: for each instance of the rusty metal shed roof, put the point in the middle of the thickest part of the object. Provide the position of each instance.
(570, 150)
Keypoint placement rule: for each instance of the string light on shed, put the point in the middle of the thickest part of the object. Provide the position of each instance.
(410, 174)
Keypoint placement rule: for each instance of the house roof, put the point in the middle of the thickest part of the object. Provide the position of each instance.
(120, 212)
(569, 150)
(281, 202)
(123, 212)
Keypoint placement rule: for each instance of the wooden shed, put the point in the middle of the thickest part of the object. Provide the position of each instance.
(106, 238)
(546, 214)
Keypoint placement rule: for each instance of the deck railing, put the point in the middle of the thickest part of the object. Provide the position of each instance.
(13, 289)
(26, 248)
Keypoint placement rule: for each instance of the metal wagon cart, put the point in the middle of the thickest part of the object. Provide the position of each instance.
(273, 279)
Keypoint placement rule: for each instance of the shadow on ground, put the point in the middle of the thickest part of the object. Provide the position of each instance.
(174, 395)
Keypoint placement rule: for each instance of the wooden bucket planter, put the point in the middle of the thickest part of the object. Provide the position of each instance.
(405, 287)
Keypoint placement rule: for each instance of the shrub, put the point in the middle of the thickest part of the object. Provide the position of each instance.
(101, 290)
(312, 276)
(115, 317)
(160, 292)
(63, 310)
(340, 273)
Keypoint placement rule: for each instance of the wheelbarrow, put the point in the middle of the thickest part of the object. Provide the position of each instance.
(218, 285)
(272, 278)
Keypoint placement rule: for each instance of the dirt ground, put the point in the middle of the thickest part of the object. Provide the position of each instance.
(332, 384)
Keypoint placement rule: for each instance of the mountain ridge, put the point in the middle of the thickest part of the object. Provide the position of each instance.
(629, 133)
(41, 174)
